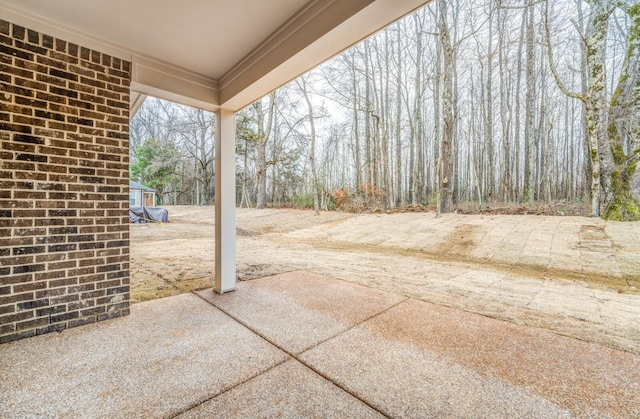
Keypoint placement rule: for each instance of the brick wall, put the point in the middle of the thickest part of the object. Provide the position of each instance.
(64, 169)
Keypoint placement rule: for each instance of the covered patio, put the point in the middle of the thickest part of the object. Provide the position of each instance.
(74, 73)
(297, 344)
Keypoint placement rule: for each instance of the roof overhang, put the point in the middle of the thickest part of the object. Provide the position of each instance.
(219, 53)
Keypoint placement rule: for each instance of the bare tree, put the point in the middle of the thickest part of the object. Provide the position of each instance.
(302, 85)
(448, 110)
(263, 119)
(614, 177)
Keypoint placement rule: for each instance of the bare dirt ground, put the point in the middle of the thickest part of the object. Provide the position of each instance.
(575, 276)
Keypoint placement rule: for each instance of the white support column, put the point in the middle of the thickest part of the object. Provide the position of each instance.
(225, 201)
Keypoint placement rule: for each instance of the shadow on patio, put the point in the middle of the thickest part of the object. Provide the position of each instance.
(300, 344)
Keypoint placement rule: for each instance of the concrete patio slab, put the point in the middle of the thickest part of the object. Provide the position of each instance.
(422, 360)
(168, 355)
(370, 353)
(289, 390)
(298, 310)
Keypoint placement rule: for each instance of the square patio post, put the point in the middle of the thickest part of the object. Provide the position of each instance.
(225, 177)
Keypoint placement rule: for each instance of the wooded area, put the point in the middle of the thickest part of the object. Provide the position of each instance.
(464, 101)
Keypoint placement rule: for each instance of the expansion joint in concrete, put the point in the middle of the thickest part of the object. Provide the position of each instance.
(297, 357)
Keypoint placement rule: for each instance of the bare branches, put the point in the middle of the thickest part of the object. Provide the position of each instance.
(408, 115)
(552, 66)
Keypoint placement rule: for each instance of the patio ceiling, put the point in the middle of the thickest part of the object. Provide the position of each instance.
(211, 54)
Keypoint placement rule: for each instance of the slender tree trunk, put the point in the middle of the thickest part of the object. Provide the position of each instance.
(588, 168)
(261, 144)
(437, 114)
(595, 98)
(369, 159)
(356, 126)
(488, 128)
(415, 150)
(398, 168)
(448, 112)
(505, 111)
(245, 202)
(529, 128)
(518, 151)
(385, 116)
(541, 131)
(302, 84)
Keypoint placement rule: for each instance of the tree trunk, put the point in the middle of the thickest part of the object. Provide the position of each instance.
(529, 127)
(261, 145)
(437, 112)
(593, 109)
(312, 146)
(505, 110)
(356, 127)
(416, 126)
(488, 127)
(448, 112)
(517, 192)
(596, 103)
(398, 165)
(624, 131)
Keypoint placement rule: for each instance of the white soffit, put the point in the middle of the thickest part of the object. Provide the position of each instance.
(207, 53)
(206, 37)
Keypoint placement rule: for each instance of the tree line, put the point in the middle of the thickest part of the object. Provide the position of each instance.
(464, 101)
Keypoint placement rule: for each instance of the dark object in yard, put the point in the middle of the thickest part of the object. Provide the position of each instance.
(148, 215)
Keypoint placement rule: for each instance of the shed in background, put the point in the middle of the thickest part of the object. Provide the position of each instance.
(140, 195)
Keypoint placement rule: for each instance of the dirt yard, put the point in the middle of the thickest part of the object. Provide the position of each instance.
(575, 276)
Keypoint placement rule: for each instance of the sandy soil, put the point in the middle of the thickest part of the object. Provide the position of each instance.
(575, 276)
